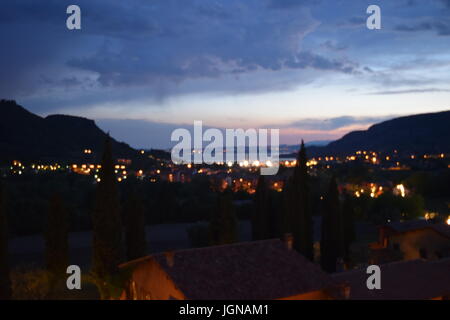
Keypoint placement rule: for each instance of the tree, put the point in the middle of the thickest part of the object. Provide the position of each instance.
(348, 216)
(261, 212)
(5, 280)
(107, 229)
(223, 225)
(298, 219)
(331, 244)
(134, 217)
(56, 238)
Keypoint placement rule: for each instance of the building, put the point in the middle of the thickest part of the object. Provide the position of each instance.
(267, 269)
(411, 240)
(404, 280)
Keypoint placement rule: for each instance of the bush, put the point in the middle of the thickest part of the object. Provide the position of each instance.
(30, 284)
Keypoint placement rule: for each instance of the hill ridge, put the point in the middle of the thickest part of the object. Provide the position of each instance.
(27, 136)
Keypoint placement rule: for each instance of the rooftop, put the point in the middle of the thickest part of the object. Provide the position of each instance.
(406, 226)
(405, 280)
(251, 270)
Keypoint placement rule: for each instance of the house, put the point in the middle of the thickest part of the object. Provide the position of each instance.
(411, 240)
(268, 269)
(404, 280)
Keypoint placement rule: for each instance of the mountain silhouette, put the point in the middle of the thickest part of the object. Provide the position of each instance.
(26, 136)
(422, 133)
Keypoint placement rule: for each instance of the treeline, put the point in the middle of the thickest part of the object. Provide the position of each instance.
(291, 213)
(118, 236)
(163, 202)
(278, 214)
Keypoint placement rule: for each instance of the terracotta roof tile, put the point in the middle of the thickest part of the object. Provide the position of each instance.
(406, 280)
(442, 228)
(251, 270)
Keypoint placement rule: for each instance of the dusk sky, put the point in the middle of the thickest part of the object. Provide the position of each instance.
(311, 68)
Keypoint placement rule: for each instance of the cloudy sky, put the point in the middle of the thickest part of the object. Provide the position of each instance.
(144, 67)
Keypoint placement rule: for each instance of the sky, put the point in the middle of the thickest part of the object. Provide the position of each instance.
(311, 68)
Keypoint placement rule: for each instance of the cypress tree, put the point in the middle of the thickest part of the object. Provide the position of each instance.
(349, 236)
(5, 280)
(261, 212)
(288, 207)
(56, 238)
(275, 229)
(331, 245)
(134, 217)
(298, 219)
(106, 222)
(223, 225)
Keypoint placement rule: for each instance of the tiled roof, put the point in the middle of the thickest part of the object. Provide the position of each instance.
(406, 280)
(443, 229)
(252, 270)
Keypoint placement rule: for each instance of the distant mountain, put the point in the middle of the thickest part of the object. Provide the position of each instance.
(26, 136)
(292, 148)
(422, 133)
(318, 143)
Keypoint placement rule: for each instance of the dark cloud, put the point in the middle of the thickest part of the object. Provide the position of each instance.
(157, 43)
(442, 28)
(288, 4)
(307, 59)
(440, 23)
(446, 3)
(207, 40)
(334, 46)
(145, 51)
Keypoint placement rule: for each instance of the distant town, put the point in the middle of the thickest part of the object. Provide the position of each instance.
(243, 176)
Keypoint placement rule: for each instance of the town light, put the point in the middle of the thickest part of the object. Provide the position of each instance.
(430, 215)
(401, 188)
